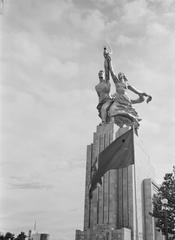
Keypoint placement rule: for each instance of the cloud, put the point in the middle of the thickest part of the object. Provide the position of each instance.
(65, 70)
(103, 3)
(65, 19)
(156, 29)
(84, 21)
(163, 6)
(124, 40)
(30, 185)
(135, 12)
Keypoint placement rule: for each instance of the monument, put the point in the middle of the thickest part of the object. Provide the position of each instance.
(117, 208)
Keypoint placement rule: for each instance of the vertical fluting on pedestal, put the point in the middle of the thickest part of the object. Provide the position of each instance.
(106, 180)
(149, 220)
(93, 216)
(87, 202)
(112, 193)
(101, 189)
(130, 197)
(124, 193)
(102, 207)
(105, 197)
(112, 202)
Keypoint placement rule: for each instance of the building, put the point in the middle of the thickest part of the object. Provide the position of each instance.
(39, 236)
(119, 209)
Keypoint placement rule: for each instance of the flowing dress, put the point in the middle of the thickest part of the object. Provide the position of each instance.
(121, 108)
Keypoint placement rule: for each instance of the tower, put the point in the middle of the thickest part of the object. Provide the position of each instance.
(119, 208)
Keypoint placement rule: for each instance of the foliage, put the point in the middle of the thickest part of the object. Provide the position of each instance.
(21, 236)
(11, 236)
(165, 213)
(7, 236)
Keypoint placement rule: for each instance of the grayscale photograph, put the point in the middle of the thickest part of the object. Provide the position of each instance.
(87, 120)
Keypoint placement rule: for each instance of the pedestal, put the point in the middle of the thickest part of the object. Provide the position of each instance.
(119, 204)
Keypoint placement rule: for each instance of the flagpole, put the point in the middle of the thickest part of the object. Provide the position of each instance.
(90, 198)
(89, 223)
(34, 226)
(137, 237)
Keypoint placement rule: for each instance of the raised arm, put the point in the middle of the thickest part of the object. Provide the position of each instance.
(108, 66)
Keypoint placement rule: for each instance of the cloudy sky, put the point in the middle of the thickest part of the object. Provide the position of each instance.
(52, 51)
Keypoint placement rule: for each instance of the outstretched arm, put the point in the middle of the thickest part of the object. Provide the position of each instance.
(134, 90)
(141, 95)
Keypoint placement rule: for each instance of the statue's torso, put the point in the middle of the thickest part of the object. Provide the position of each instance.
(121, 92)
(103, 89)
(121, 87)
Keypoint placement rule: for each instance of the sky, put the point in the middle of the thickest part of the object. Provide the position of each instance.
(51, 55)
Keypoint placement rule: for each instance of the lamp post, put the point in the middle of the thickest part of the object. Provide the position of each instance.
(164, 208)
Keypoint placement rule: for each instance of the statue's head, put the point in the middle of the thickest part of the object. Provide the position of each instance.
(121, 77)
(101, 75)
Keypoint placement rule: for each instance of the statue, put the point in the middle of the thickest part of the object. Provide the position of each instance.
(103, 90)
(118, 107)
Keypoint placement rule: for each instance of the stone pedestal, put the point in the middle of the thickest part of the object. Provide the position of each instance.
(119, 206)
(104, 234)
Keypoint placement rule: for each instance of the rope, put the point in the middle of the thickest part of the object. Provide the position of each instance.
(141, 146)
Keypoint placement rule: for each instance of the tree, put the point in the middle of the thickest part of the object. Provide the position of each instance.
(21, 236)
(165, 212)
(9, 236)
(1, 237)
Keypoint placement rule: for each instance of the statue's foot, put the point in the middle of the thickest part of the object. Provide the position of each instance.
(102, 123)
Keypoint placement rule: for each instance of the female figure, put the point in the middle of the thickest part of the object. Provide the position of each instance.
(121, 109)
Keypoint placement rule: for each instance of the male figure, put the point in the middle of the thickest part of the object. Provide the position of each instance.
(103, 89)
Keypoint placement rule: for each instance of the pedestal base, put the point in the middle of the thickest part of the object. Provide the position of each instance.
(102, 233)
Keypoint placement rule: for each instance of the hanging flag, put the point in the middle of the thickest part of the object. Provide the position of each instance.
(94, 182)
(119, 154)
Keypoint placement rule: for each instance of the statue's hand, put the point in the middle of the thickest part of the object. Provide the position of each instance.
(106, 54)
(149, 99)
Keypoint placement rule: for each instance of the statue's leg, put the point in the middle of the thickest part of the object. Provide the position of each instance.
(113, 109)
(104, 111)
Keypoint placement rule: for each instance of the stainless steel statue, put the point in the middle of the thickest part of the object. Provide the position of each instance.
(117, 107)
